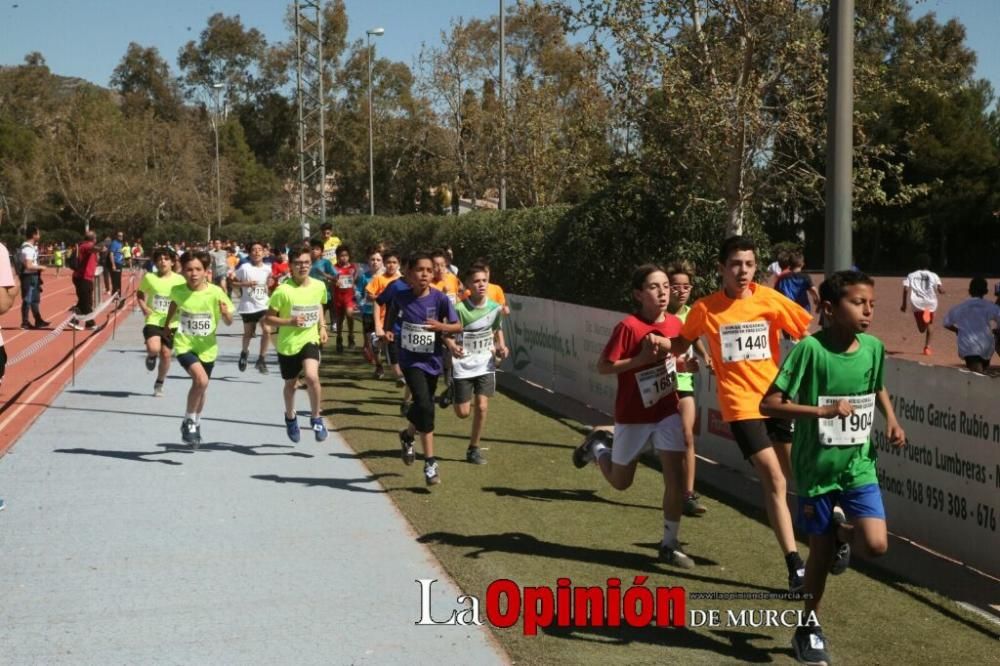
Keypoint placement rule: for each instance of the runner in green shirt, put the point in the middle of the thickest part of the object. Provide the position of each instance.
(836, 378)
(153, 298)
(198, 305)
(296, 308)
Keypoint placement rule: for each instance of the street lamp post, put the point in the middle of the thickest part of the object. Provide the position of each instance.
(217, 88)
(378, 32)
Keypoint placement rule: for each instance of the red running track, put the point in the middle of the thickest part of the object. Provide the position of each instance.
(31, 385)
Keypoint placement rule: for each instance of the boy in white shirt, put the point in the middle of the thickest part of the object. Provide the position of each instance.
(921, 288)
(971, 321)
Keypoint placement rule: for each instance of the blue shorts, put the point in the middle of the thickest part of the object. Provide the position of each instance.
(816, 513)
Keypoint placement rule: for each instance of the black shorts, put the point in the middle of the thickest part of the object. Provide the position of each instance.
(368, 324)
(291, 366)
(684, 394)
(3, 362)
(466, 387)
(252, 317)
(187, 359)
(976, 359)
(151, 331)
(755, 435)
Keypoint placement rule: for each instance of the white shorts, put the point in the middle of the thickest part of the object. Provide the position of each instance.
(631, 439)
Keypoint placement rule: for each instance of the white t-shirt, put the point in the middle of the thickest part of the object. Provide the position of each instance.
(923, 289)
(29, 253)
(972, 319)
(6, 274)
(774, 269)
(253, 299)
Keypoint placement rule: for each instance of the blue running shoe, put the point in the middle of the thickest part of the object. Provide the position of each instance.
(319, 428)
(292, 428)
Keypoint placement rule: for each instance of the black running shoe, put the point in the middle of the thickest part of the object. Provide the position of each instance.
(189, 431)
(150, 362)
(842, 558)
(796, 580)
(431, 473)
(474, 456)
(810, 647)
(406, 447)
(692, 507)
(583, 454)
(243, 361)
(674, 556)
(41, 323)
(404, 408)
(444, 400)
(340, 346)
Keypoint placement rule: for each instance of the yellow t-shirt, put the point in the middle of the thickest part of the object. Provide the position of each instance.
(305, 300)
(330, 246)
(743, 339)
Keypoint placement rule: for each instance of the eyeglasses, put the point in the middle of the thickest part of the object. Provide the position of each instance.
(680, 287)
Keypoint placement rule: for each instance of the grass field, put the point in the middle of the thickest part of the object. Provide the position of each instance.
(530, 516)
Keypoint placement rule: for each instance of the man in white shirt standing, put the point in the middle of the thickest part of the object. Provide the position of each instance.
(31, 280)
(970, 320)
(921, 288)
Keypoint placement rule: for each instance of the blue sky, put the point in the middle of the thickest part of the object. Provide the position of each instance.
(87, 38)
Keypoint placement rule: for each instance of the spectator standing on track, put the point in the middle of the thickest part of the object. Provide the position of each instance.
(8, 294)
(922, 286)
(220, 264)
(970, 320)
(87, 254)
(31, 280)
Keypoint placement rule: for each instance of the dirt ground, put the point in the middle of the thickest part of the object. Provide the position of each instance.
(899, 332)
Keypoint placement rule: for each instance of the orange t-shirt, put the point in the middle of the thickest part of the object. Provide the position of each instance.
(494, 292)
(450, 287)
(376, 287)
(744, 343)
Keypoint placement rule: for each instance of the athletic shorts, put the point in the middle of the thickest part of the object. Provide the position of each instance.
(151, 331)
(291, 366)
(187, 359)
(816, 513)
(755, 435)
(918, 316)
(685, 394)
(368, 324)
(217, 279)
(466, 387)
(252, 317)
(631, 439)
(343, 301)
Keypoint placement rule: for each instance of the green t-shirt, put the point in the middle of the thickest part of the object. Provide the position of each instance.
(198, 317)
(290, 299)
(685, 380)
(479, 324)
(157, 290)
(824, 458)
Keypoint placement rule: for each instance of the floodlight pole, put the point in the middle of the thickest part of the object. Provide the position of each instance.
(839, 138)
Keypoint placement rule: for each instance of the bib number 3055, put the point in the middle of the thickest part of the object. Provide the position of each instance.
(308, 313)
(746, 341)
(848, 430)
(657, 382)
(417, 338)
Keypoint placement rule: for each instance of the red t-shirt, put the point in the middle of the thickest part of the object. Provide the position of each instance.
(626, 342)
(279, 269)
(347, 276)
(86, 261)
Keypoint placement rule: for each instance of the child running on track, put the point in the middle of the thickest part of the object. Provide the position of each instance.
(837, 378)
(367, 309)
(198, 305)
(474, 355)
(252, 278)
(970, 320)
(153, 298)
(645, 404)
(343, 297)
(921, 288)
(296, 308)
(742, 323)
(423, 314)
(680, 275)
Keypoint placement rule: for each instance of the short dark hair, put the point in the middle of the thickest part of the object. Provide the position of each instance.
(326, 226)
(386, 254)
(796, 259)
(256, 242)
(439, 253)
(923, 261)
(162, 252)
(835, 287)
(682, 267)
(30, 232)
(315, 242)
(412, 260)
(978, 286)
(344, 247)
(640, 274)
(304, 248)
(483, 261)
(472, 270)
(736, 244)
(196, 255)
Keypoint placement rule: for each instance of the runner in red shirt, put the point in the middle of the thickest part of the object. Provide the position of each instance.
(343, 296)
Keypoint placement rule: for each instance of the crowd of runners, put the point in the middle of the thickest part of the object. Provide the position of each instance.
(439, 330)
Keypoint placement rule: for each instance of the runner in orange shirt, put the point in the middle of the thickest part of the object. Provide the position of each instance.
(742, 324)
(378, 284)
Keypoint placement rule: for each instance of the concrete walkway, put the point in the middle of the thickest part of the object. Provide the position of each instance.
(121, 546)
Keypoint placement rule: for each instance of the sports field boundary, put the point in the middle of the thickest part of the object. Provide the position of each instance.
(906, 560)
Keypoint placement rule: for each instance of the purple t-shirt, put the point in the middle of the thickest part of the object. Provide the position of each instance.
(411, 313)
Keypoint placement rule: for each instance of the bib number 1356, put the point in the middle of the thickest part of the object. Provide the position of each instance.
(747, 341)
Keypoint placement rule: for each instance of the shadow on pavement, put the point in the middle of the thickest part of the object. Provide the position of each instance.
(242, 449)
(336, 484)
(107, 394)
(137, 456)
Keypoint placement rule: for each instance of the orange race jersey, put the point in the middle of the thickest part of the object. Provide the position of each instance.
(494, 292)
(376, 287)
(450, 287)
(744, 343)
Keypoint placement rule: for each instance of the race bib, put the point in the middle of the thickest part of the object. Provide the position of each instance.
(478, 343)
(848, 430)
(330, 254)
(452, 298)
(656, 382)
(258, 292)
(196, 324)
(309, 314)
(161, 303)
(747, 341)
(345, 282)
(417, 338)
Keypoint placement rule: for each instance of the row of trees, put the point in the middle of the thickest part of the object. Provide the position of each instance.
(711, 104)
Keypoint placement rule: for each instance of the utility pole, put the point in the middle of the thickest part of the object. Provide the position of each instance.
(503, 114)
(839, 138)
(309, 70)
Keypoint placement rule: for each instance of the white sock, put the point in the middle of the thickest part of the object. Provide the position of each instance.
(671, 529)
(599, 450)
(192, 416)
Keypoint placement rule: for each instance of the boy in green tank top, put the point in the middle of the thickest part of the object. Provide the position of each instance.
(198, 305)
(153, 298)
(836, 378)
